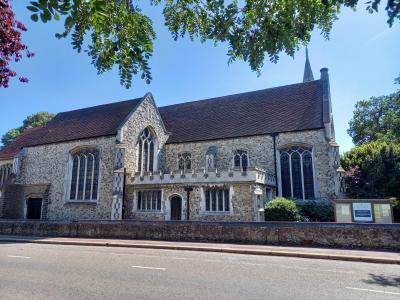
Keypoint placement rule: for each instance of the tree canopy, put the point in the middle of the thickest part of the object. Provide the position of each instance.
(376, 119)
(11, 46)
(34, 120)
(373, 170)
(118, 33)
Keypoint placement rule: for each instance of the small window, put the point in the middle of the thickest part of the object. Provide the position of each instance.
(241, 159)
(5, 171)
(184, 161)
(149, 200)
(84, 175)
(217, 200)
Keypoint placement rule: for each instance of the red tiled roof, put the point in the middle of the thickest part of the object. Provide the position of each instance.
(12, 150)
(96, 121)
(288, 108)
(293, 107)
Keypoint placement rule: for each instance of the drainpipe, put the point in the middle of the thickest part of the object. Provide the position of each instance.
(123, 195)
(188, 189)
(274, 135)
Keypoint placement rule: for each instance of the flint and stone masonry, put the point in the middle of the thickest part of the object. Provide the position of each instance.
(44, 167)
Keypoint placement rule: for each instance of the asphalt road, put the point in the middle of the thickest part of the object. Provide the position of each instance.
(32, 271)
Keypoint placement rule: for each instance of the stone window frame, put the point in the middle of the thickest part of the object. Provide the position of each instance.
(184, 161)
(241, 153)
(311, 150)
(140, 154)
(210, 158)
(203, 204)
(135, 206)
(5, 172)
(68, 180)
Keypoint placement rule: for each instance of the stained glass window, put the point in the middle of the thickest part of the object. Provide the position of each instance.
(241, 159)
(297, 175)
(84, 175)
(145, 151)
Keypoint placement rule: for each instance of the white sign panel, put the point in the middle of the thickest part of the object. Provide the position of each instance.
(362, 212)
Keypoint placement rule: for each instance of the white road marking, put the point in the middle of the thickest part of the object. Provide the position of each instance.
(373, 291)
(18, 256)
(152, 256)
(149, 268)
(253, 264)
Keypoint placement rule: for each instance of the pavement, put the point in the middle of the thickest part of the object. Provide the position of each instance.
(45, 271)
(382, 257)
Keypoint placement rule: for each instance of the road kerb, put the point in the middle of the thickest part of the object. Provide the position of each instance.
(300, 254)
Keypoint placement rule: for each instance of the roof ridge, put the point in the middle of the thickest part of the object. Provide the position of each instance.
(100, 105)
(242, 93)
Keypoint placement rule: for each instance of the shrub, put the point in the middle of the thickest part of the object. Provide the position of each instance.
(317, 211)
(281, 209)
(373, 170)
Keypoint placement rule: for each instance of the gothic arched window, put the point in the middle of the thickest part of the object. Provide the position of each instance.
(5, 171)
(297, 175)
(146, 151)
(241, 159)
(84, 175)
(184, 161)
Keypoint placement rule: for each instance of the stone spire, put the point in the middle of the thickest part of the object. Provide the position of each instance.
(308, 75)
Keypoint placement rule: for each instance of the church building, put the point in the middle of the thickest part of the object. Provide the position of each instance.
(218, 159)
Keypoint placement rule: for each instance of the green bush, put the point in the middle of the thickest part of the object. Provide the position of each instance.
(373, 170)
(281, 209)
(317, 211)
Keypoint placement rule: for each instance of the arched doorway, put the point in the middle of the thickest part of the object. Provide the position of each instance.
(176, 208)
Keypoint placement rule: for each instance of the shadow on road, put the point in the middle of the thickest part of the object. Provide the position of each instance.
(383, 280)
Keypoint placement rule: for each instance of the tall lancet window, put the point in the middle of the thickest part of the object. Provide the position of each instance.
(84, 180)
(146, 151)
(297, 175)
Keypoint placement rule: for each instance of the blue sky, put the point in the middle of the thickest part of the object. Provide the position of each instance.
(362, 56)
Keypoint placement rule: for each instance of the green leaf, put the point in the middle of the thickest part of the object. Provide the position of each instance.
(43, 18)
(34, 18)
(42, 4)
(56, 16)
(32, 8)
(47, 15)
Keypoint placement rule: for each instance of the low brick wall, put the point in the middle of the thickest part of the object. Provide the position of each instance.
(361, 236)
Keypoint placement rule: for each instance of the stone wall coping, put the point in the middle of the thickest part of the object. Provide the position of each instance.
(255, 175)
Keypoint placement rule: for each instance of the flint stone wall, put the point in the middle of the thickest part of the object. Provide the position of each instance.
(243, 205)
(145, 115)
(337, 235)
(261, 154)
(48, 165)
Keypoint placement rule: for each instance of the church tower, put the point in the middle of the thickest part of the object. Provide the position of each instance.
(308, 75)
